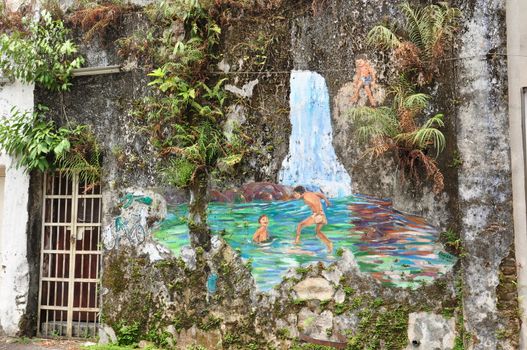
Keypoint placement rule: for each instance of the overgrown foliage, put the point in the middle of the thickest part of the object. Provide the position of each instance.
(37, 143)
(186, 115)
(95, 19)
(39, 52)
(420, 43)
(404, 127)
(128, 334)
(394, 128)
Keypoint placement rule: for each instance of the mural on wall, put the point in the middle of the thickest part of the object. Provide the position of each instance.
(365, 79)
(131, 226)
(312, 214)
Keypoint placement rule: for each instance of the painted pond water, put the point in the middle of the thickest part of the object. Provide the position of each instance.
(396, 248)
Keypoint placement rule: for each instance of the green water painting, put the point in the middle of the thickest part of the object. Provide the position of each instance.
(395, 248)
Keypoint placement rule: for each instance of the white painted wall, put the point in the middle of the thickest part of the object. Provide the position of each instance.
(14, 272)
(2, 182)
(517, 63)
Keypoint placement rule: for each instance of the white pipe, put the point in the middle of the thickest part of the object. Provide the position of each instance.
(82, 72)
(88, 71)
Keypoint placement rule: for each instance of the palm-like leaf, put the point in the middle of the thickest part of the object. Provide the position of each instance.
(87, 167)
(444, 19)
(413, 25)
(428, 27)
(400, 89)
(443, 22)
(427, 135)
(375, 122)
(416, 102)
(383, 37)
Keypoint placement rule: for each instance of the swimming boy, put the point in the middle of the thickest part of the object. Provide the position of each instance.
(365, 77)
(312, 200)
(261, 234)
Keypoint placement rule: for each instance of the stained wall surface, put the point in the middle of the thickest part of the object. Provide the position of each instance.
(14, 269)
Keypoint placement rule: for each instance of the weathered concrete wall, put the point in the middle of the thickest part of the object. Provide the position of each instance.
(485, 195)
(264, 115)
(14, 268)
(327, 303)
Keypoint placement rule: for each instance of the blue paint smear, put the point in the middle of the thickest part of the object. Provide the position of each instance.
(211, 283)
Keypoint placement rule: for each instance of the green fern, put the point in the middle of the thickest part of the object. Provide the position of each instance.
(375, 122)
(427, 28)
(400, 88)
(417, 46)
(84, 156)
(415, 24)
(416, 102)
(444, 20)
(383, 37)
(427, 135)
(38, 144)
(185, 117)
(178, 172)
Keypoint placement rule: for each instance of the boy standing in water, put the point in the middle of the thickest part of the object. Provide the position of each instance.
(312, 200)
(261, 234)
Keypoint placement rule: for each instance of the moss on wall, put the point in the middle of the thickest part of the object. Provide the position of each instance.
(508, 306)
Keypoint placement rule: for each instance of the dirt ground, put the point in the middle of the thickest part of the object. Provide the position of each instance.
(40, 344)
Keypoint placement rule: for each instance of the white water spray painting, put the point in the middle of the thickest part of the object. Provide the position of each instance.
(312, 161)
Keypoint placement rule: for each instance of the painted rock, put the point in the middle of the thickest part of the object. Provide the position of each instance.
(314, 288)
(254, 191)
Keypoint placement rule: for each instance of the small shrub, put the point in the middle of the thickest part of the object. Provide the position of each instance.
(38, 144)
(128, 334)
(41, 54)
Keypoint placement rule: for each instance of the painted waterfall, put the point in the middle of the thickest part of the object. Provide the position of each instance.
(312, 161)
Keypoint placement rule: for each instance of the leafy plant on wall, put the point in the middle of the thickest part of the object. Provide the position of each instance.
(185, 116)
(37, 143)
(40, 52)
(405, 127)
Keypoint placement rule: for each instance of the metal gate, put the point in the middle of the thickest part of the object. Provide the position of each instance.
(70, 257)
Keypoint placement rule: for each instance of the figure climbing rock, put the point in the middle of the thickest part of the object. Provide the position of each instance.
(365, 78)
